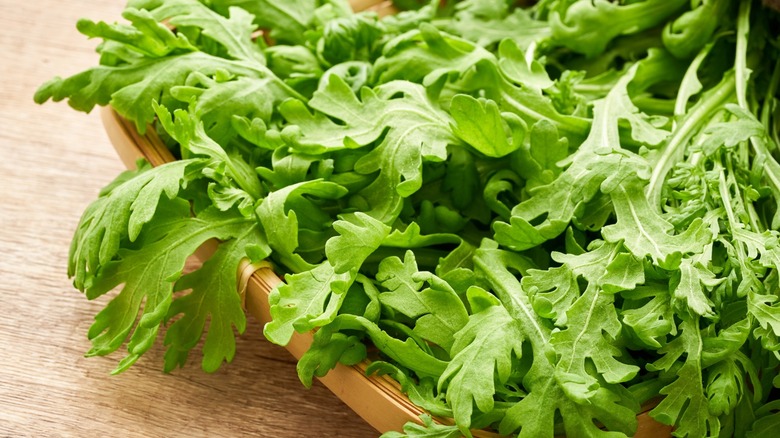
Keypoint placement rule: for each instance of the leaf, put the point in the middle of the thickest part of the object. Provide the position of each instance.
(422, 394)
(287, 20)
(412, 237)
(692, 30)
(486, 30)
(653, 321)
(605, 265)
(592, 326)
(587, 27)
(535, 415)
(148, 275)
(214, 297)
(359, 236)
(426, 55)
(406, 353)
(767, 424)
(725, 386)
(432, 58)
(730, 133)
(350, 38)
(280, 221)
(189, 131)
(218, 103)
(131, 88)
(415, 131)
(145, 35)
(645, 233)
(551, 292)
(234, 33)
(537, 160)
(120, 213)
(429, 429)
(513, 64)
(480, 124)
(306, 300)
(326, 352)
(437, 310)
(483, 353)
(598, 165)
(766, 311)
(686, 405)
(726, 344)
(690, 289)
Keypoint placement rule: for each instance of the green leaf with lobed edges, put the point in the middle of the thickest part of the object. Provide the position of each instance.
(686, 405)
(437, 310)
(233, 32)
(412, 130)
(213, 297)
(588, 26)
(148, 275)
(122, 210)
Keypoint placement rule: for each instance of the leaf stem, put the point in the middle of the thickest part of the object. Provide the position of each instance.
(674, 150)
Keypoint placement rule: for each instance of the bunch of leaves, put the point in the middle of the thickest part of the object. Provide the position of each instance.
(538, 219)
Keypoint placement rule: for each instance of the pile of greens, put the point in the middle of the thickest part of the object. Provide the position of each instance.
(537, 219)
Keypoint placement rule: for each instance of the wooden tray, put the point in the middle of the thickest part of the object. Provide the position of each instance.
(377, 399)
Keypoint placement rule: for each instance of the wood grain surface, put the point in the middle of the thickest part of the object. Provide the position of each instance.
(53, 162)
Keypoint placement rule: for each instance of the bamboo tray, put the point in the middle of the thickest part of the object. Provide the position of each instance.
(377, 399)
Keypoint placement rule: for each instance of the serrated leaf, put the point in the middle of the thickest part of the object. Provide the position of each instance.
(280, 221)
(217, 104)
(148, 275)
(486, 30)
(725, 385)
(552, 291)
(214, 297)
(535, 415)
(428, 429)
(732, 132)
(587, 27)
(326, 351)
(187, 129)
(645, 233)
(483, 353)
(415, 131)
(287, 20)
(422, 393)
(306, 300)
(438, 311)
(606, 265)
(146, 35)
(654, 320)
(407, 353)
(591, 329)
(233, 32)
(537, 161)
(480, 124)
(514, 65)
(691, 288)
(686, 405)
(359, 236)
(131, 88)
(599, 165)
(121, 212)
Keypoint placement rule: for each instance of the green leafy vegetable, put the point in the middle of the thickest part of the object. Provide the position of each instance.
(535, 218)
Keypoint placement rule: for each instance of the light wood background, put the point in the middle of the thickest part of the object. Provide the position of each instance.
(53, 161)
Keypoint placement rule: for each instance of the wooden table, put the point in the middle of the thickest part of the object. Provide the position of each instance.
(53, 162)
